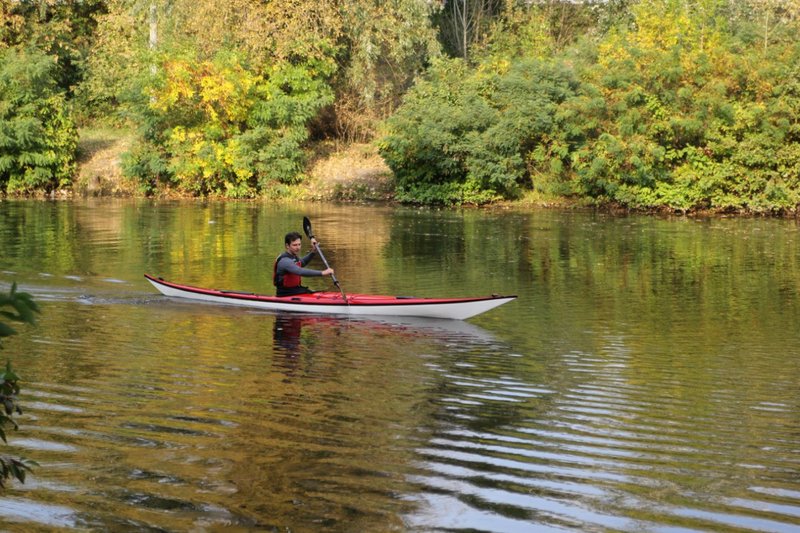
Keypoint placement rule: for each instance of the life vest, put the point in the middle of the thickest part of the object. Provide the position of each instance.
(287, 280)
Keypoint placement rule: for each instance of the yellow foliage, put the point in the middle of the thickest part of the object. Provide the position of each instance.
(613, 50)
(668, 27)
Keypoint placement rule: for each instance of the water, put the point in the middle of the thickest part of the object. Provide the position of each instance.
(646, 379)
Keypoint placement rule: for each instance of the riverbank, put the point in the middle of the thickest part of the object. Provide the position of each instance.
(100, 163)
(335, 172)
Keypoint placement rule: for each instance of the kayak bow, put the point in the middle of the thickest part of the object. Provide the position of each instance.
(334, 303)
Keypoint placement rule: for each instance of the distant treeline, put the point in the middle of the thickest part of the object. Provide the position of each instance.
(673, 104)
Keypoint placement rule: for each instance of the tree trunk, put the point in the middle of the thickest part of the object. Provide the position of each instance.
(153, 26)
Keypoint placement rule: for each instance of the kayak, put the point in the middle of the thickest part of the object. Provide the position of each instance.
(335, 303)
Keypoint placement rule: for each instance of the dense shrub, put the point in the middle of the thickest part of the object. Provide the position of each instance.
(688, 108)
(37, 135)
(219, 127)
(463, 136)
(671, 123)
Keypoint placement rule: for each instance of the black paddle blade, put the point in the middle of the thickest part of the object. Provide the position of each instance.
(307, 228)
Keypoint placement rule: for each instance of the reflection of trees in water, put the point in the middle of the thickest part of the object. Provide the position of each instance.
(338, 414)
(470, 365)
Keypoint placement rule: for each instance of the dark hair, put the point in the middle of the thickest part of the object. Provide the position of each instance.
(291, 237)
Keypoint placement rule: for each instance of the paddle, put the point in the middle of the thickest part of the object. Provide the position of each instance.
(310, 235)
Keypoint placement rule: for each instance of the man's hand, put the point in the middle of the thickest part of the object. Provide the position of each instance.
(314, 243)
(327, 272)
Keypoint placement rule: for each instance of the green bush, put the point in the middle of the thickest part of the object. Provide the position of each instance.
(683, 126)
(685, 109)
(38, 138)
(465, 136)
(219, 127)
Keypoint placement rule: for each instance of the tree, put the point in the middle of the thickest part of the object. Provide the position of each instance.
(218, 127)
(224, 100)
(384, 46)
(62, 29)
(463, 137)
(37, 135)
(466, 22)
(545, 28)
(678, 112)
(774, 14)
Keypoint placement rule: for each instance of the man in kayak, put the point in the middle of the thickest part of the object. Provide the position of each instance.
(289, 267)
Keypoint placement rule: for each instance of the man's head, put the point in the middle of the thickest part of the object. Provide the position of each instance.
(293, 242)
(291, 237)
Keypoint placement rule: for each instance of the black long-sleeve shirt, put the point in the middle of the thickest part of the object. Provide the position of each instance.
(289, 265)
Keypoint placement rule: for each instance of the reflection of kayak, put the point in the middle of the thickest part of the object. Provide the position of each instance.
(294, 332)
(333, 303)
(432, 328)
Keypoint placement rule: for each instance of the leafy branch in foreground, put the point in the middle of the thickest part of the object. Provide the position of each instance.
(23, 309)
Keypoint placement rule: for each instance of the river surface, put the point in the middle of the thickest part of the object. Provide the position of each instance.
(646, 379)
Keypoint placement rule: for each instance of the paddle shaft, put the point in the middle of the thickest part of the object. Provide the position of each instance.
(325, 262)
(310, 235)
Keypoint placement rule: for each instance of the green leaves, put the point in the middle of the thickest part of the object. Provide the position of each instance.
(677, 110)
(18, 468)
(23, 309)
(219, 127)
(467, 137)
(687, 120)
(37, 136)
(9, 378)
